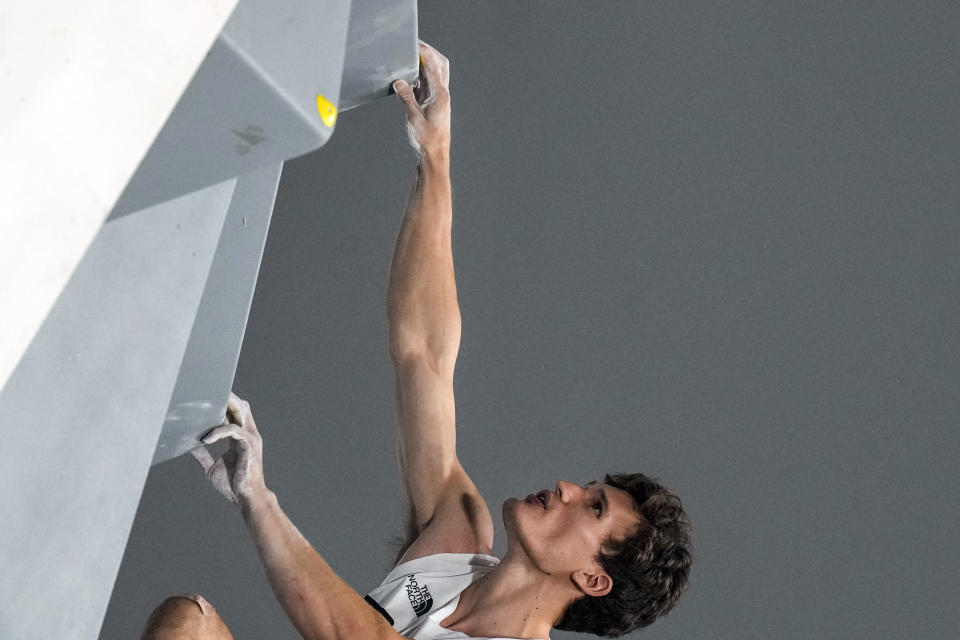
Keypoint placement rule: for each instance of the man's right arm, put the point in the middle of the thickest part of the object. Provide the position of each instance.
(448, 513)
(423, 316)
(424, 325)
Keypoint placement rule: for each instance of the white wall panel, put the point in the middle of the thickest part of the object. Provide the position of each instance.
(86, 88)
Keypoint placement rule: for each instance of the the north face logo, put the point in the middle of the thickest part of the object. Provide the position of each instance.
(420, 598)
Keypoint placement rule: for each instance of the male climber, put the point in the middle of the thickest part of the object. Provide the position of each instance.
(603, 558)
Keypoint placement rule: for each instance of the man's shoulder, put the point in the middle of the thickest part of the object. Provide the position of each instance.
(461, 522)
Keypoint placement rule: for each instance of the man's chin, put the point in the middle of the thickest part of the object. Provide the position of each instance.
(508, 512)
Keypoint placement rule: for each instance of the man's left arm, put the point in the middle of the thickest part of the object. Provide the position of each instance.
(319, 603)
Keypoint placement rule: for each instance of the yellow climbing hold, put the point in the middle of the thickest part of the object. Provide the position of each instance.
(328, 112)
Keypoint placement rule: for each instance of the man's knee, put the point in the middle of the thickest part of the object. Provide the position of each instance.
(186, 617)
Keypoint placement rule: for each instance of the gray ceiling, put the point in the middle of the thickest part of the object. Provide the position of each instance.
(713, 242)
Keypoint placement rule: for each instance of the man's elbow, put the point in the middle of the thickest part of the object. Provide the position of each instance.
(407, 363)
(404, 349)
(439, 354)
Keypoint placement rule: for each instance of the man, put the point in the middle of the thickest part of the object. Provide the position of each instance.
(604, 558)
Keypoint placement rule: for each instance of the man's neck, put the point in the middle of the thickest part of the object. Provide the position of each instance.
(512, 601)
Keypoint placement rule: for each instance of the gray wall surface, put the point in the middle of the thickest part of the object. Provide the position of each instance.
(713, 242)
(82, 411)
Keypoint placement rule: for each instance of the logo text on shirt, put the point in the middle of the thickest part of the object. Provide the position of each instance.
(419, 596)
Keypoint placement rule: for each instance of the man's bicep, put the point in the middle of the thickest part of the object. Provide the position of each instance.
(447, 512)
(426, 422)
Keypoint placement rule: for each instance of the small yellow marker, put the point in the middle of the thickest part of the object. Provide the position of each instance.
(328, 112)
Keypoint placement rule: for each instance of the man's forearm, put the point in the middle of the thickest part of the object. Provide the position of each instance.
(320, 604)
(422, 310)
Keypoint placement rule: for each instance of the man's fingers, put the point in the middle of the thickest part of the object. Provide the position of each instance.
(230, 458)
(234, 402)
(405, 92)
(429, 55)
(436, 67)
(251, 426)
(215, 472)
(203, 457)
(238, 408)
(226, 431)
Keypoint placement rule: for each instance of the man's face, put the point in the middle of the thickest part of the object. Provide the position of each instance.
(562, 530)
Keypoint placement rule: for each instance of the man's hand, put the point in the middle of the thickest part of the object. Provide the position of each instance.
(238, 473)
(318, 601)
(428, 107)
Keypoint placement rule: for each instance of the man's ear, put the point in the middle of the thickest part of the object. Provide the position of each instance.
(593, 584)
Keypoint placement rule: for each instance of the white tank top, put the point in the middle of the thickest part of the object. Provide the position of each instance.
(418, 595)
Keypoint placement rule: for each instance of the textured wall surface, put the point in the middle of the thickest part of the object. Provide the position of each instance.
(712, 242)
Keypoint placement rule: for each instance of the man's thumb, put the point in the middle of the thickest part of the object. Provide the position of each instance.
(403, 90)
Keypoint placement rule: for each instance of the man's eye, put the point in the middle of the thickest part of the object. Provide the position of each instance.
(599, 508)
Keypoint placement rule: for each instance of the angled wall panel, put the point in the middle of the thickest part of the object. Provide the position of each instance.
(82, 412)
(199, 400)
(136, 356)
(254, 101)
(381, 47)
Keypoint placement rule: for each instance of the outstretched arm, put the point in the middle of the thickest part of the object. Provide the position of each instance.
(422, 310)
(423, 316)
(447, 513)
(321, 605)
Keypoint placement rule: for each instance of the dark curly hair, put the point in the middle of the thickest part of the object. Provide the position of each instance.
(650, 568)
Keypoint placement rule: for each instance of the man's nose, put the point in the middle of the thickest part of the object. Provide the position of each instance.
(566, 490)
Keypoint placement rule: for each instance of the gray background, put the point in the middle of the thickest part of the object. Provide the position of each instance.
(713, 242)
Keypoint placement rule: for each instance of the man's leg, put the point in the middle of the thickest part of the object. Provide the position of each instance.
(186, 617)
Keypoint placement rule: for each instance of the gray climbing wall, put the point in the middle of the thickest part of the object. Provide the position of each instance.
(199, 399)
(82, 412)
(137, 356)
